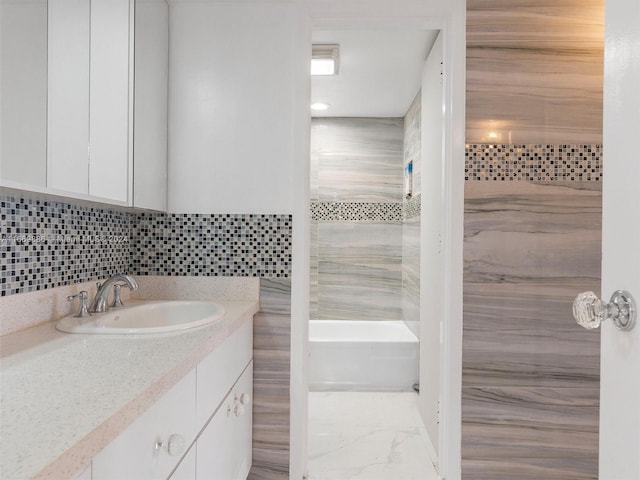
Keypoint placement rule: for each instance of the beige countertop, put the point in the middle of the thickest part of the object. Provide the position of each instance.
(64, 397)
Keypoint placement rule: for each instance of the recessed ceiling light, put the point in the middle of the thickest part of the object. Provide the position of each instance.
(319, 106)
(321, 66)
(324, 59)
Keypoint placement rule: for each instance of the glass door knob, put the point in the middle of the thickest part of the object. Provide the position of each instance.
(589, 311)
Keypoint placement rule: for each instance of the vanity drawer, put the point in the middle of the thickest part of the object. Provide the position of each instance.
(219, 371)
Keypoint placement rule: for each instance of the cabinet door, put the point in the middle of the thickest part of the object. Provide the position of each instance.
(187, 468)
(151, 447)
(150, 104)
(89, 116)
(219, 371)
(224, 447)
(109, 115)
(68, 96)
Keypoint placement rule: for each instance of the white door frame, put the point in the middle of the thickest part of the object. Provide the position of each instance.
(449, 18)
(619, 457)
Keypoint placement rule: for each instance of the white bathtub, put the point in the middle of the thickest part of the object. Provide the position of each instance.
(362, 355)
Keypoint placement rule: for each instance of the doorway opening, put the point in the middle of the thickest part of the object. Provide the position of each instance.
(376, 155)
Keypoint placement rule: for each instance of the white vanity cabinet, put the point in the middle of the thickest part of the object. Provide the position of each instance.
(199, 430)
(224, 447)
(151, 447)
(187, 468)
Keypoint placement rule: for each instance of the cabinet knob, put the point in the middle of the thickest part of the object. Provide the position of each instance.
(244, 399)
(174, 445)
(238, 410)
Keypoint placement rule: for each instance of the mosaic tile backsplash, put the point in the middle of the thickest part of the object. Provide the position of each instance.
(47, 244)
(51, 243)
(533, 162)
(212, 245)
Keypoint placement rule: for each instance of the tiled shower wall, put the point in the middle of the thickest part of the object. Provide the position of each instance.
(532, 238)
(50, 243)
(356, 224)
(411, 219)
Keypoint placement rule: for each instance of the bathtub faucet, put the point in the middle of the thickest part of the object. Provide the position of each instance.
(99, 303)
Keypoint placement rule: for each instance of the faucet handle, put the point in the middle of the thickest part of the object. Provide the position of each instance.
(117, 300)
(84, 301)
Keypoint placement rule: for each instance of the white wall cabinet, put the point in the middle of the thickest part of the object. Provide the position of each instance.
(151, 90)
(72, 74)
(200, 429)
(90, 45)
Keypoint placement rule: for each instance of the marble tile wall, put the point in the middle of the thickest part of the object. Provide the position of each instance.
(530, 387)
(359, 270)
(356, 214)
(411, 273)
(411, 219)
(271, 367)
(356, 160)
(534, 71)
(413, 140)
(530, 374)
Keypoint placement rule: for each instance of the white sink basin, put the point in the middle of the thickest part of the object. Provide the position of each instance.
(147, 317)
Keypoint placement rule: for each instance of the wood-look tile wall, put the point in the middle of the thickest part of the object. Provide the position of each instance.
(530, 374)
(411, 218)
(356, 260)
(271, 367)
(534, 71)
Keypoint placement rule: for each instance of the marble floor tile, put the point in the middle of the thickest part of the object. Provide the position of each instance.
(367, 436)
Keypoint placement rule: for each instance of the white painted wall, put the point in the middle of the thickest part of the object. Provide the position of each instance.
(431, 255)
(231, 92)
(23, 92)
(620, 351)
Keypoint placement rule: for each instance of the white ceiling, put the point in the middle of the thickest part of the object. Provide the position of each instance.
(379, 73)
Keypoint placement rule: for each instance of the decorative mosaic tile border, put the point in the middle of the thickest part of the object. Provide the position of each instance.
(212, 245)
(411, 208)
(533, 162)
(46, 244)
(356, 211)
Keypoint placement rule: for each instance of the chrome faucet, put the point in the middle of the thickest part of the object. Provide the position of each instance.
(99, 303)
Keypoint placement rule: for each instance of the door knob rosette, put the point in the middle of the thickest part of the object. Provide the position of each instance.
(589, 311)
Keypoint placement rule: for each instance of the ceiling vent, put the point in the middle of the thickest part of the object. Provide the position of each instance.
(324, 59)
